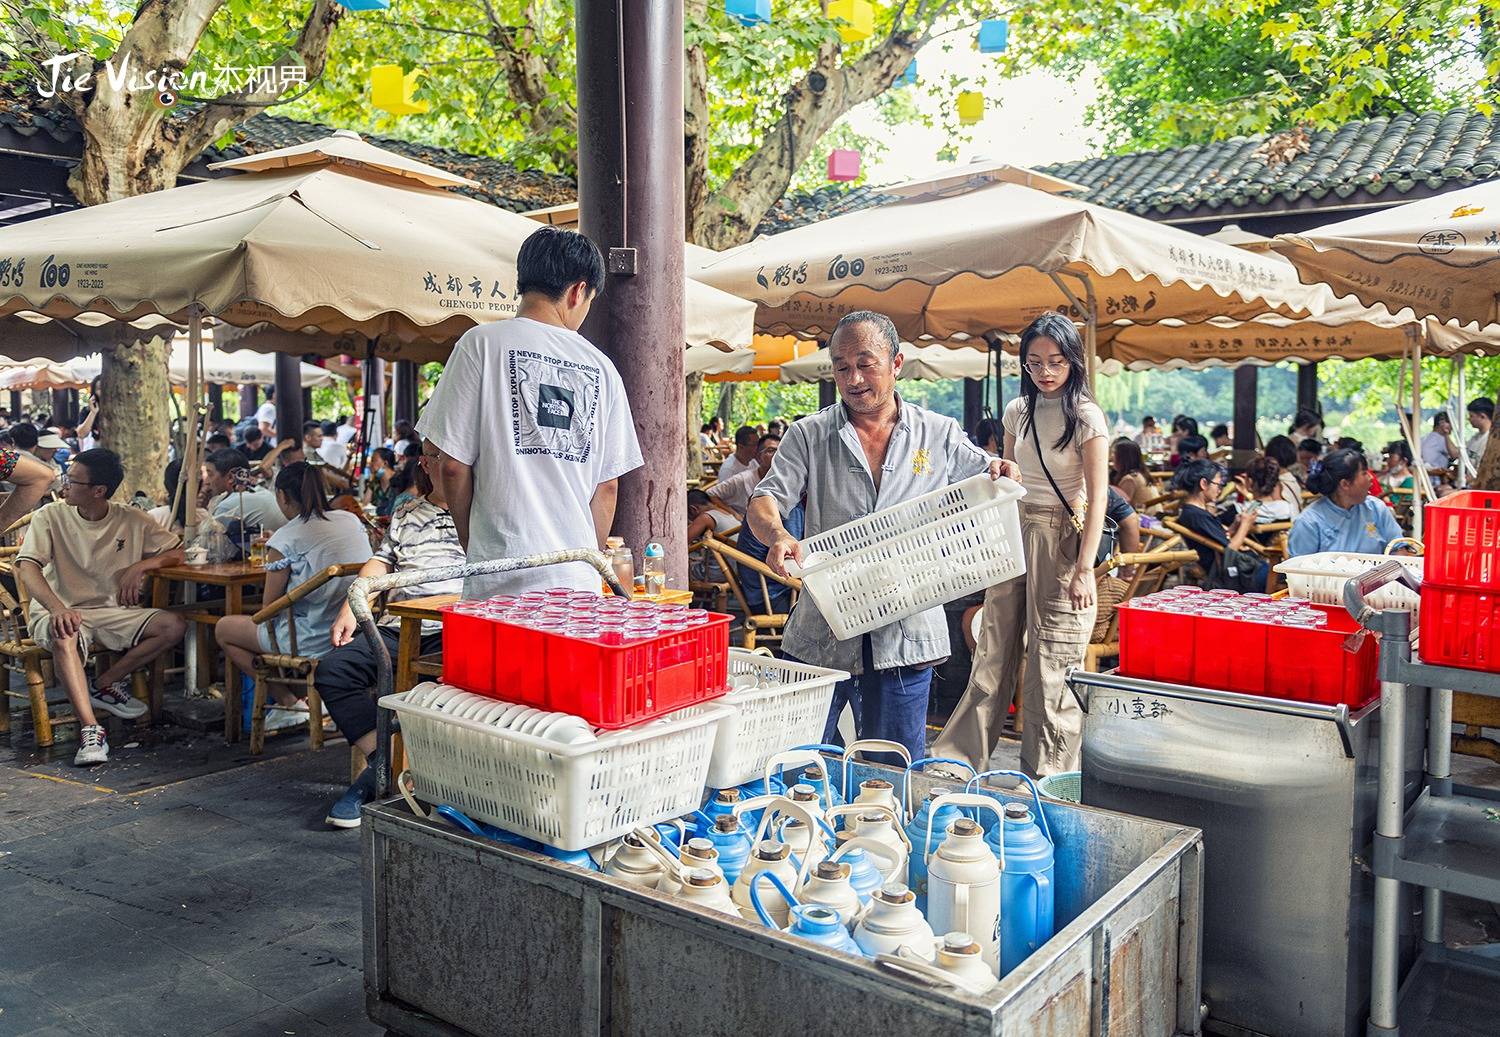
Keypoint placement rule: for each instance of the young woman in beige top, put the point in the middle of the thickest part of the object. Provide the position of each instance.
(1055, 428)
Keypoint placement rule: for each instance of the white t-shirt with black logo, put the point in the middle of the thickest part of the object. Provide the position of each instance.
(542, 417)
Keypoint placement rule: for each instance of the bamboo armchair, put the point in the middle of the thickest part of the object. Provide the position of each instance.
(290, 668)
(764, 625)
(716, 592)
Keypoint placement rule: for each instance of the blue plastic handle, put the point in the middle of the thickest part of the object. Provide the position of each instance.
(780, 888)
(458, 819)
(974, 785)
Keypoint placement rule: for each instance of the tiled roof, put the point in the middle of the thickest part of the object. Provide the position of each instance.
(501, 183)
(795, 210)
(1374, 159)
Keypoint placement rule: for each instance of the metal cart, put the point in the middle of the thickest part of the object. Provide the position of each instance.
(1284, 793)
(467, 937)
(1447, 841)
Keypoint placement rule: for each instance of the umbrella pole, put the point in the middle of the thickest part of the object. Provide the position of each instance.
(1418, 500)
(190, 447)
(1088, 306)
(1463, 395)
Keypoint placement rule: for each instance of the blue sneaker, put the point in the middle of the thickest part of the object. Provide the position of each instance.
(345, 812)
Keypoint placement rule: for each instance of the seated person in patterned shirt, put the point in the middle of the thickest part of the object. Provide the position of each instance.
(83, 562)
(31, 480)
(421, 536)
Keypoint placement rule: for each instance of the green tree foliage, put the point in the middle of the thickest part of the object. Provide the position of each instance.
(1177, 72)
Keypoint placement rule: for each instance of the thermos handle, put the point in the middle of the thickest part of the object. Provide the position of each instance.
(403, 780)
(978, 781)
(875, 846)
(962, 799)
(1041, 889)
(924, 761)
(672, 865)
(803, 757)
(871, 808)
(781, 805)
(884, 745)
(916, 968)
(780, 888)
(676, 823)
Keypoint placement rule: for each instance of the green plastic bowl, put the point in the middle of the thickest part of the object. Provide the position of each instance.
(1067, 786)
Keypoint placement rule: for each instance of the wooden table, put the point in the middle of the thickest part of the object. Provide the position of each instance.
(234, 577)
(413, 611)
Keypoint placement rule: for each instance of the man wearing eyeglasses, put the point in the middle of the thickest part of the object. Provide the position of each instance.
(870, 451)
(83, 563)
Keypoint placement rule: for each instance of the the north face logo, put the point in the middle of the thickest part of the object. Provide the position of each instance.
(554, 407)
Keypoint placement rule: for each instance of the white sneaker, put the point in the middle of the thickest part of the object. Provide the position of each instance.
(93, 746)
(117, 699)
(279, 718)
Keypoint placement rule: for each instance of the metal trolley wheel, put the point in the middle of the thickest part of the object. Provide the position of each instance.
(366, 587)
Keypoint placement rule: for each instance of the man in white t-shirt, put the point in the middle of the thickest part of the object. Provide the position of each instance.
(533, 425)
(736, 491)
(1481, 413)
(743, 458)
(265, 416)
(346, 431)
(1438, 448)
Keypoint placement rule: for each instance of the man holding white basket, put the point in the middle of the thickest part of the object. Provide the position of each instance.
(868, 452)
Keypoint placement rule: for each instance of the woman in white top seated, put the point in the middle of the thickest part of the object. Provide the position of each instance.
(314, 538)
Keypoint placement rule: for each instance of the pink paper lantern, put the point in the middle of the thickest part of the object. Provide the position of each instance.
(843, 164)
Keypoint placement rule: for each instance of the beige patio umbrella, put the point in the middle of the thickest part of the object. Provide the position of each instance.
(30, 334)
(38, 373)
(707, 359)
(1435, 255)
(935, 362)
(241, 367)
(336, 234)
(992, 259)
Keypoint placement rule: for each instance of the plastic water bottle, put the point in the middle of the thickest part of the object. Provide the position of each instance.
(654, 564)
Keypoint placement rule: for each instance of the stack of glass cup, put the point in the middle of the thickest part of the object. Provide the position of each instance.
(1228, 604)
(588, 616)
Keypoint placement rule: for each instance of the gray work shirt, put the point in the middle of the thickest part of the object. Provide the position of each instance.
(820, 459)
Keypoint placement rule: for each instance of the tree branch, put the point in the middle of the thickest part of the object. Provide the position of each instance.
(190, 136)
(731, 215)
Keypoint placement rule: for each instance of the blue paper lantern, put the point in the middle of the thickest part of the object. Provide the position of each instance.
(994, 34)
(909, 77)
(366, 5)
(748, 12)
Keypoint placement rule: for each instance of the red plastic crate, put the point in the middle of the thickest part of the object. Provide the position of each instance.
(610, 686)
(1462, 536)
(1307, 665)
(1460, 627)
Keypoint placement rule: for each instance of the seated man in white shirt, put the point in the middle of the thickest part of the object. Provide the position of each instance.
(345, 431)
(227, 503)
(1438, 448)
(327, 444)
(736, 492)
(743, 458)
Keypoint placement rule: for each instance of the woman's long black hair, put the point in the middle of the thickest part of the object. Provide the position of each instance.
(302, 484)
(1325, 476)
(1060, 330)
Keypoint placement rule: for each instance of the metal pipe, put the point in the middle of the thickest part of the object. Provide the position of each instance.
(1416, 426)
(1463, 454)
(1389, 820)
(1439, 782)
(190, 446)
(365, 587)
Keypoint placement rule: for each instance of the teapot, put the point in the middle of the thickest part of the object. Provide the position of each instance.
(891, 921)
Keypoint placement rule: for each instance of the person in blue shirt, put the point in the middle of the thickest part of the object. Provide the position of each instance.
(1346, 517)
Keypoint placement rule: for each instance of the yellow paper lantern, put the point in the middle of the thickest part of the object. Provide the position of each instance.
(391, 91)
(856, 18)
(970, 107)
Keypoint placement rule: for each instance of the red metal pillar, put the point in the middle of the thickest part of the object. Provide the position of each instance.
(630, 195)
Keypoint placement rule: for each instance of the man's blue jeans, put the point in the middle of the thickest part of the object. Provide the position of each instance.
(889, 704)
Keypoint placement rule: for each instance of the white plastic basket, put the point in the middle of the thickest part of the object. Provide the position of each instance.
(1321, 577)
(568, 796)
(768, 720)
(915, 555)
